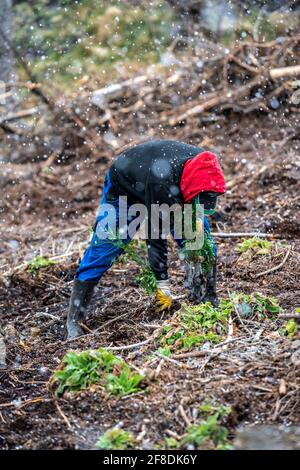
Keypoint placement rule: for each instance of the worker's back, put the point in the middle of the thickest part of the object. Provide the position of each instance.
(153, 161)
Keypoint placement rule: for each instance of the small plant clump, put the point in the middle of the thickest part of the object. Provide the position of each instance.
(254, 246)
(39, 262)
(116, 439)
(146, 279)
(194, 325)
(210, 433)
(81, 370)
(289, 329)
(204, 256)
(255, 305)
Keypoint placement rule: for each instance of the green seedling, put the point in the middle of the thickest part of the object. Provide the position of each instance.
(255, 246)
(209, 433)
(81, 370)
(164, 351)
(125, 383)
(249, 305)
(116, 439)
(39, 262)
(146, 279)
(192, 326)
(203, 256)
(289, 329)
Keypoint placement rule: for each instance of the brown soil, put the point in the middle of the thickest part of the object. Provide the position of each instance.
(50, 213)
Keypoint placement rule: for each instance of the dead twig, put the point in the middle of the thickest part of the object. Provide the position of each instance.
(173, 361)
(184, 415)
(128, 346)
(62, 414)
(275, 268)
(295, 315)
(244, 234)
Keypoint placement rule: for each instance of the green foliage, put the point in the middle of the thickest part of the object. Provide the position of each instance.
(191, 340)
(289, 329)
(265, 305)
(164, 351)
(209, 433)
(146, 279)
(204, 255)
(125, 383)
(250, 305)
(255, 246)
(116, 439)
(68, 40)
(39, 262)
(81, 370)
(194, 325)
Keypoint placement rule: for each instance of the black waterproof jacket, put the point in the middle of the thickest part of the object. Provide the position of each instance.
(150, 173)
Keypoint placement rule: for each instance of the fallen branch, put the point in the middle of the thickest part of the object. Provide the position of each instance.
(19, 115)
(285, 72)
(244, 234)
(184, 415)
(173, 361)
(221, 98)
(204, 352)
(296, 316)
(128, 346)
(25, 402)
(115, 91)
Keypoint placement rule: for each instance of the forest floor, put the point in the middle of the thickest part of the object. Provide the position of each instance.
(257, 374)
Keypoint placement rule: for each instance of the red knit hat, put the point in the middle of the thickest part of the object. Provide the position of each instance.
(202, 173)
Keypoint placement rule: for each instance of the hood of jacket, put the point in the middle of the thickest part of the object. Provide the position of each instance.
(202, 173)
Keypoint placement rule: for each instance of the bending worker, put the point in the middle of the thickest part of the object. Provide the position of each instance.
(160, 172)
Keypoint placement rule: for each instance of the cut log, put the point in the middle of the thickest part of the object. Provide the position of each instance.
(102, 96)
(285, 72)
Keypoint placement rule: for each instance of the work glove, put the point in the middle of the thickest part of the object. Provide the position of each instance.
(163, 297)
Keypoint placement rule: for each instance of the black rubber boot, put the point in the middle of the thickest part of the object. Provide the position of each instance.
(80, 298)
(194, 281)
(211, 289)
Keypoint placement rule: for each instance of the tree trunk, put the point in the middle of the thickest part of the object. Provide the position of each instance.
(6, 57)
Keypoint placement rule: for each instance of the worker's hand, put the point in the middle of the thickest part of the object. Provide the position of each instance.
(163, 297)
